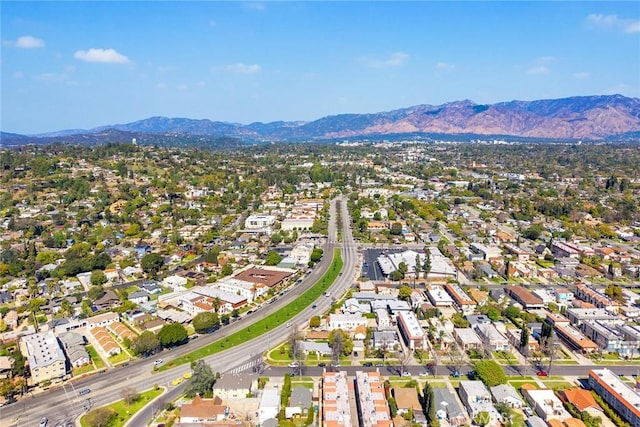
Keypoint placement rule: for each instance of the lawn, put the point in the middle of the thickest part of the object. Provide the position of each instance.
(119, 358)
(556, 385)
(124, 411)
(83, 369)
(518, 384)
(517, 419)
(95, 357)
(264, 325)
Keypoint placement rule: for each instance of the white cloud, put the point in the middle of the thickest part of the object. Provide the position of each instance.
(107, 56)
(599, 20)
(581, 75)
(538, 69)
(28, 42)
(241, 68)
(255, 5)
(445, 66)
(395, 59)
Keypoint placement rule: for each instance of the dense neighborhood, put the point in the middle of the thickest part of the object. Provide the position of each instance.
(474, 256)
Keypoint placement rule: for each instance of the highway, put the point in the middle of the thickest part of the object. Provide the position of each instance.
(62, 404)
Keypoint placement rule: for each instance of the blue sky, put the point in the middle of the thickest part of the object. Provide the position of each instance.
(68, 65)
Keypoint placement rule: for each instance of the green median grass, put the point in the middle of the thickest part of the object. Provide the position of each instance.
(268, 323)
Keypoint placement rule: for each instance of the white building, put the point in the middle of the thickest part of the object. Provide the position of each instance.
(246, 289)
(46, 358)
(260, 222)
(269, 404)
(346, 322)
(177, 283)
(477, 399)
(411, 331)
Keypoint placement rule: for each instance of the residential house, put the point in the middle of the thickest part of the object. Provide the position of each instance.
(107, 301)
(232, 386)
(506, 393)
(300, 401)
(269, 404)
(138, 297)
(546, 404)
(105, 341)
(524, 297)
(74, 345)
(492, 338)
(201, 411)
(467, 339)
(477, 399)
(102, 320)
(407, 400)
(449, 408)
(346, 322)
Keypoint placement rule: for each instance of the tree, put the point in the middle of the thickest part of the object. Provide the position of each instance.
(152, 263)
(205, 322)
(426, 265)
(18, 365)
(98, 278)
(490, 373)
(493, 314)
(95, 292)
(429, 402)
(130, 395)
(396, 229)
(273, 258)
(172, 334)
(66, 309)
(295, 347)
(524, 340)
(316, 254)
(404, 293)
(417, 267)
(396, 275)
(100, 417)
(201, 381)
(459, 321)
(226, 270)
(340, 343)
(314, 322)
(146, 343)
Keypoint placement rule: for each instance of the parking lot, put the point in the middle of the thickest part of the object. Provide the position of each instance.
(370, 267)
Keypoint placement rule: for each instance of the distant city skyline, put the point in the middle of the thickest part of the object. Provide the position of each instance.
(69, 65)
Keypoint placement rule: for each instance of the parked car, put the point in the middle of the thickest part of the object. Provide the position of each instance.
(322, 364)
(527, 411)
(456, 374)
(424, 374)
(294, 364)
(367, 364)
(542, 374)
(43, 422)
(406, 374)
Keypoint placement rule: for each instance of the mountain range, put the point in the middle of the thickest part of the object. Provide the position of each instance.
(588, 118)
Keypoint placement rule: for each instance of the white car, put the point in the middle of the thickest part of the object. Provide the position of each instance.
(406, 374)
(294, 364)
(158, 362)
(43, 422)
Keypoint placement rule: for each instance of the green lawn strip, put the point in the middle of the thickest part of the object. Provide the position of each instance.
(262, 326)
(518, 384)
(124, 412)
(557, 384)
(83, 369)
(95, 357)
(517, 419)
(565, 362)
(119, 358)
(437, 384)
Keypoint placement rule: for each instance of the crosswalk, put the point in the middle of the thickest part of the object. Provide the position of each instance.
(246, 366)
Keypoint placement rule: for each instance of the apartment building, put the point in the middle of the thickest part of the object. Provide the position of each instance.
(373, 410)
(620, 396)
(46, 358)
